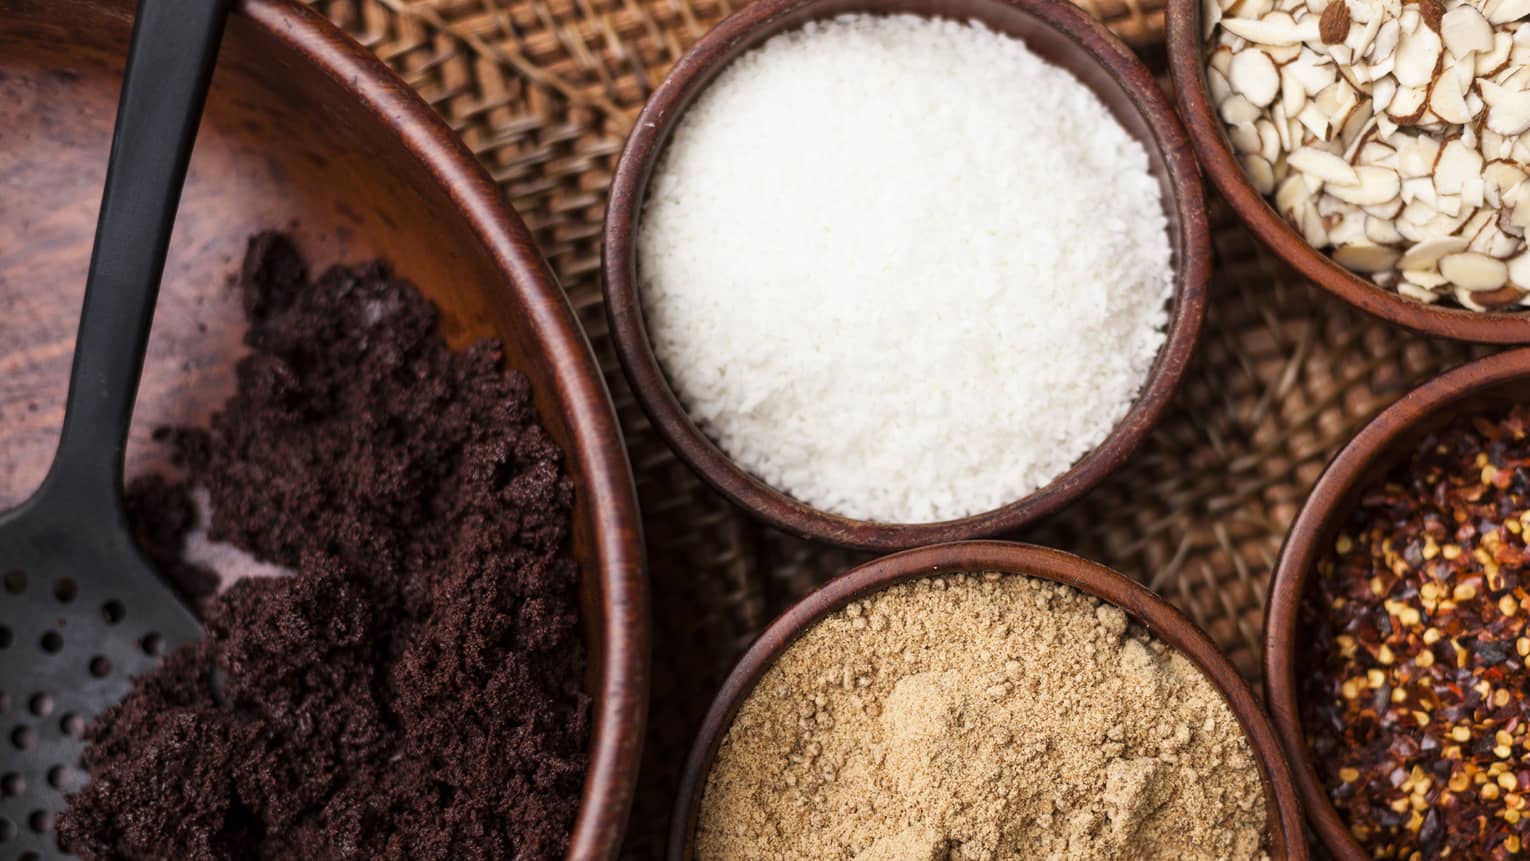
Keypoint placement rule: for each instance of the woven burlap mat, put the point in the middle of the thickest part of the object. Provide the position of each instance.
(544, 93)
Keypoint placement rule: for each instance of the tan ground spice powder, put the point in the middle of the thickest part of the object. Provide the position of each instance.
(983, 717)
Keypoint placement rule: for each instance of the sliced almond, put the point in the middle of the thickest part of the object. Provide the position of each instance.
(1321, 163)
(1333, 25)
(1287, 129)
(1501, 299)
(1408, 104)
(1417, 293)
(1447, 98)
(1508, 10)
(1382, 232)
(1385, 125)
(1502, 175)
(1253, 74)
(1504, 245)
(1347, 228)
(1360, 38)
(1377, 154)
(1211, 15)
(1471, 226)
(1516, 201)
(1418, 57)
(1421, 189)
(1377, 185)
(1290, 197)
(1456, 164)
(1260, 174)
(1519, 270)
(1492, 61)
(1269, 141)
(1463, 31)
(1314, 120)
(1429, 278)
(1360, 124)
(1313, 229)
(1251, 9)
(1382, 93)
(1365, 257)
(1244, 138)
(1424, 255)
(1238, 110)
(1417, 157)
(1473, 191)
(1276, 28)
(1472, 271)
(1508, 110)
(1313, 75)
(1495, 146)
(1293, 95)
(1385, 42)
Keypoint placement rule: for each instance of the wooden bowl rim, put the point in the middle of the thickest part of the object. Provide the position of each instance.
(1187, 70)
(1351, 467)
(629, 331)
(1166, 623)
(620, 707)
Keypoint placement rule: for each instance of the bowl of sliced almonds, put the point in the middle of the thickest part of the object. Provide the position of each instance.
(1380, 147)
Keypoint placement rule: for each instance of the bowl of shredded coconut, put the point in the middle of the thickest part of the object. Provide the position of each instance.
(892, 272)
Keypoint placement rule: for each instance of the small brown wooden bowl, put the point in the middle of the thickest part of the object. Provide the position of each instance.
(1059, 33)
(305, 130)
(1497, 381)
(1187, 67)
(1286, 840)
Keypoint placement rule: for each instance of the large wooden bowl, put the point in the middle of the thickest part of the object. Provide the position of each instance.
(1286, 840)
(1060, 34)
(304, 130)
(1496, 382)
(1187, 66)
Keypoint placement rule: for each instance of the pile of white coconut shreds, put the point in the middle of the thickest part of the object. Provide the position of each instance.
(902, 269)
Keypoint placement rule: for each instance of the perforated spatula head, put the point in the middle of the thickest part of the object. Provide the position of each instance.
(81, 614)
(81, 611)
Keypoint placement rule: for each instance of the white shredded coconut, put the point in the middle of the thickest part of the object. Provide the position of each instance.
(902, 269)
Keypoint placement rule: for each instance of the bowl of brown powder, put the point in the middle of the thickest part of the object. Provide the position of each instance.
(985, 700)
(393, 401)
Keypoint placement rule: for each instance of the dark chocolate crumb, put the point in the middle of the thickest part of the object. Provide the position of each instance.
(415, 690)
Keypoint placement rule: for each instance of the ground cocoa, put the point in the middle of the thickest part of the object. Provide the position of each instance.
(414, 691)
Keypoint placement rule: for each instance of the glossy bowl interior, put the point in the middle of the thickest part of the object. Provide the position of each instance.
(1496, 382)
(1286, 840)
(304, 130)
(1188, 69)
(1056, 31)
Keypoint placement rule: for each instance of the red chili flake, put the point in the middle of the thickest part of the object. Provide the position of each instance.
(1415, 696)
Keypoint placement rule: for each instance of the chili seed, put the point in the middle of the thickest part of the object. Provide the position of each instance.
(1416, 697)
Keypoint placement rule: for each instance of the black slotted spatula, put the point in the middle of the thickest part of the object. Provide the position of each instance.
(81, 611)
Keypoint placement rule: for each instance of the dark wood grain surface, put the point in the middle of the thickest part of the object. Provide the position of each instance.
(307, 131)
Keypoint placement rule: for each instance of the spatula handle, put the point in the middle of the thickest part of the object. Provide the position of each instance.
(170, 62)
